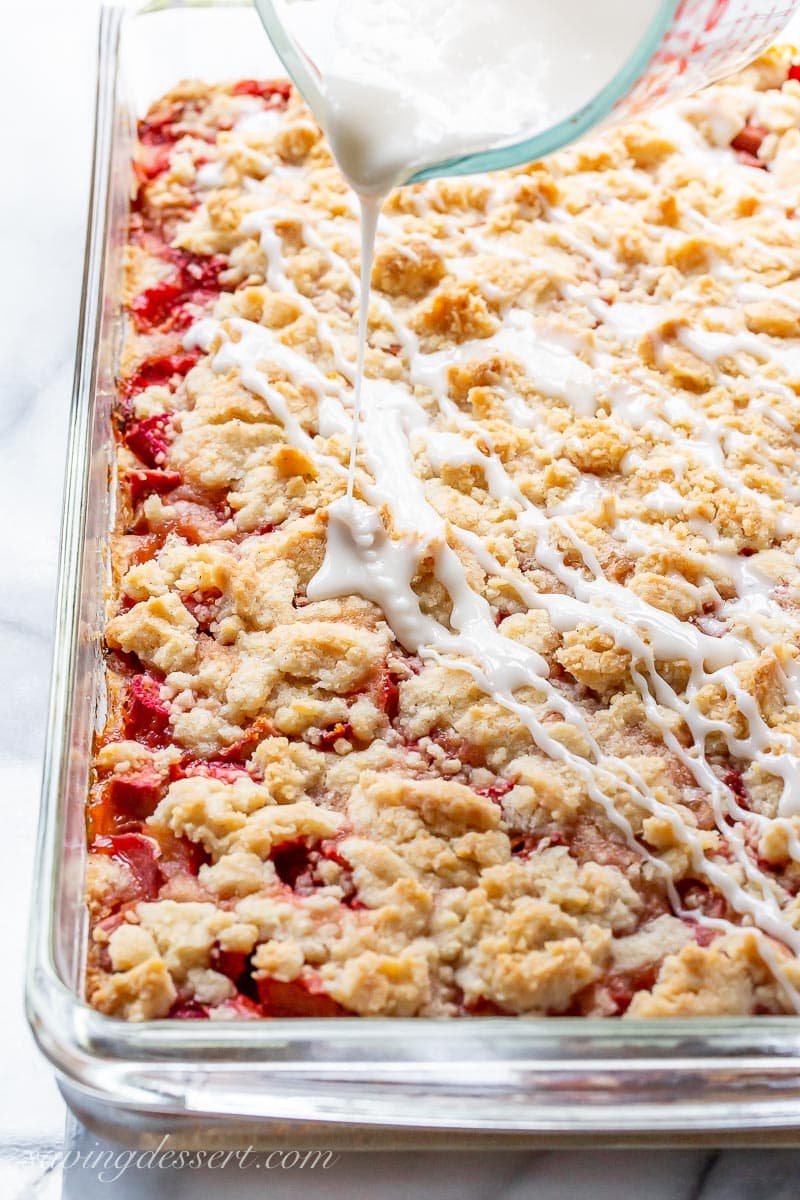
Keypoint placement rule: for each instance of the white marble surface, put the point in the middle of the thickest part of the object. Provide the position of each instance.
(46, 89)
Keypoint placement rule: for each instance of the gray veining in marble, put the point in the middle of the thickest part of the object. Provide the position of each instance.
(46, 86)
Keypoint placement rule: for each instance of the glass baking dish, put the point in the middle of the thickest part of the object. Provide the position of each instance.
(347, 1082)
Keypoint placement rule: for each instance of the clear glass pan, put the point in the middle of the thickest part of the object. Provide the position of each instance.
(347, 1082)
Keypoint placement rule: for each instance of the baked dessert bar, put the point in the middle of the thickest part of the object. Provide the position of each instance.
(515, 732)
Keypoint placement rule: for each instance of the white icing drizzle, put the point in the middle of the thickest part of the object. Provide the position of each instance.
(370, 211)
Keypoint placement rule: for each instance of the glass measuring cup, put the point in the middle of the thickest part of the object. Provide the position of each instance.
(686, 45)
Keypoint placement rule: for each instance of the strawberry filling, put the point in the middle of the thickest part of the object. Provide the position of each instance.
(296, 999)
(794, 71)
(388, 695)
(134, 796)
(276, 93)
(211, 769)
(189, 1010)
(734, 781)
(239, 751)
(697, 896)
(194, 280)
(160, 130)
(329, 737)
(297, 862)
(144, 483)
(139, 854)
(526, 844)
(242, 1008)
(149, 438)
(479, 1006)
(701, 933)
(145, 548)
(621, 986)
(202, 606)
(198, 523)
(159, 372)
(293, 863)
(747, 144)
(710, 625)
(179, 856)
(496, 790)
(170, 123)
(151, 161)
(153, 306)
(146, 716)
(232, 963)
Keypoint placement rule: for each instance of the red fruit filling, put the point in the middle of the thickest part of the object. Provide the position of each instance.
(203, 606)
(734, 781)
(794, 71)
(240, 751)
(329, 737)
(144, 483)
(212, 769)
(496, 790)
(747, 143)
(134, 796)
(146, 716)
(622, 987)
(139, 854)
(232, 963)
(189, 1010)
(389, 696)
(151, 161)
(146, 548)
(524, 844)
(194, 280)
(159, 372)
(698, 896)
(280, 999)
(153, 306)
(173, 121)
(198, 523)
(242, 1008)
(179, 856)
(149, 438)
(701, 933)
(297, 862)
(481, 1007)
(275, 92)
(293, 862)
(710, 625)
(588, 845)
(160, 130)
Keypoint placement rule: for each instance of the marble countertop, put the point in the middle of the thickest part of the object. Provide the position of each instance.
(47, 90)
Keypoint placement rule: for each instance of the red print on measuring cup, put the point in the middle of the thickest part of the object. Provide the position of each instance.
(706, 40)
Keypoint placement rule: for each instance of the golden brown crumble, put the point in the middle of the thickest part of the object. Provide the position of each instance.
(292, 813)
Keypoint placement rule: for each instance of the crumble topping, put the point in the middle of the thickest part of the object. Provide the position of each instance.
(551, 766)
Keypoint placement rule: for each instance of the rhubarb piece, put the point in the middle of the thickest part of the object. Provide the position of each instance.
(149, 438)
(159, 372)
(275, 91)
(134, 796)
(747, 144)
(144, 483)
(240, 1008)
(295, 999)
(140, 854)
(146, 715)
